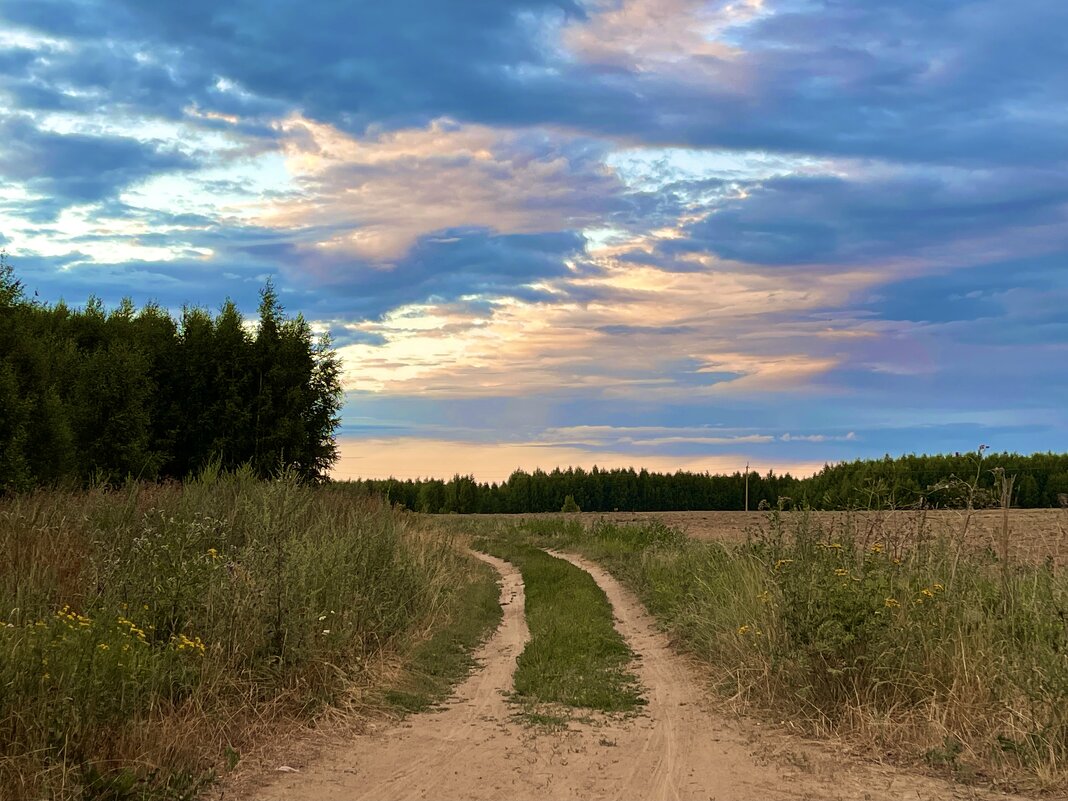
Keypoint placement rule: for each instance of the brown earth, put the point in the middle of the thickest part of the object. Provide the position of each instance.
(676, 748)
(1034, 534)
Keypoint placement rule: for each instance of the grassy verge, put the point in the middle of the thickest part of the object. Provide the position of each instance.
(575, 656)
(148, 636)
(898, 640)
(442, 659)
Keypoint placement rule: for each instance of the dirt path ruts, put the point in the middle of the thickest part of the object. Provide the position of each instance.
(676, 749)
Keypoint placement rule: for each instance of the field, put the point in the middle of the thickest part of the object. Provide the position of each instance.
(155, 635)
(1035, 534)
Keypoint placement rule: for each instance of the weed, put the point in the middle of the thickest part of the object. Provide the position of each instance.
(148, 633)
(885, 633)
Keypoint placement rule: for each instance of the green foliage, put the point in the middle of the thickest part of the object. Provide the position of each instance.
(96, 396)
(570, 507)
(140, 627)
(950, 481)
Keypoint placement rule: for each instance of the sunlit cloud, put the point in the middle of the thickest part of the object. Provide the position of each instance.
(663, 230)
(378, 194)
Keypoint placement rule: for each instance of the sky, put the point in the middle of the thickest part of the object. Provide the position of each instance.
(666, 233)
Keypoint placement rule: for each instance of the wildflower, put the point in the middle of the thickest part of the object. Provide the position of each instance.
(783, 562)
(897, 562)
(322, 618)
(891, 603)
(214, 554)
(926, 592)
(326, 631)
(835, 545)
(764, 597)
(103, 646)
(939, 588)
(184, 643)
(841, 571)
(877, 547)
(743, 630)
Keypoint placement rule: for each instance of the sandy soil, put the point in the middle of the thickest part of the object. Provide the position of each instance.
(677, 748)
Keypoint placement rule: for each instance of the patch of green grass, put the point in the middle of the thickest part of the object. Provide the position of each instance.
(575, 656)
(439, 662)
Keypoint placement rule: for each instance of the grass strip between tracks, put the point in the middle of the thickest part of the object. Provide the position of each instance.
(575, 656)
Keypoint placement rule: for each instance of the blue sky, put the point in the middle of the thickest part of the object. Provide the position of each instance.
(660, 232)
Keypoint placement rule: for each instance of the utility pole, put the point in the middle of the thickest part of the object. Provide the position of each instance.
(747, 486)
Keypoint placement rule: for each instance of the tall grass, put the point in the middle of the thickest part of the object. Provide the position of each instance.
(145, 633)
(889, 635)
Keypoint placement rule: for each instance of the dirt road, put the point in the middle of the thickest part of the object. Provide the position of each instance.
(676, 749)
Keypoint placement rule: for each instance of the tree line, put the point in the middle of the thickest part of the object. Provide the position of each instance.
(952, 480)
(95, 396)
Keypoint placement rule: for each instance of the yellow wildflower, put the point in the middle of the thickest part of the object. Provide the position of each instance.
(783, 562)
(891, 603)
(841, 571)
(743, 630)
(925, 591)
(184, 643)
(877, 547)
(103, 646)
(939, 588)
(214, 554)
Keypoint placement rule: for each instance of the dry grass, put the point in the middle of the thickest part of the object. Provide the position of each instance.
(912, 640)
(1035, 534)
(152, 634)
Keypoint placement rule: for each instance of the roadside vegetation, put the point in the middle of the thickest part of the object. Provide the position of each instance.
(151, 634)
(575, 657)
(914, 645)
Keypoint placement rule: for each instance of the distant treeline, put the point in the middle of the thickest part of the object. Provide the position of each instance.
(88, 395)
(938, 481)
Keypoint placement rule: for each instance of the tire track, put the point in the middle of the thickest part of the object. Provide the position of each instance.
(676, 749)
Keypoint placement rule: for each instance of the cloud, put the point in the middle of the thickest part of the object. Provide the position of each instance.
(915, 82)
(442, 268)
(640, 212)
(878, 214)
(375, 196)
(77, 168)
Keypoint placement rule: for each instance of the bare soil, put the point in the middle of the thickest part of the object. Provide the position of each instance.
(678, 747)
